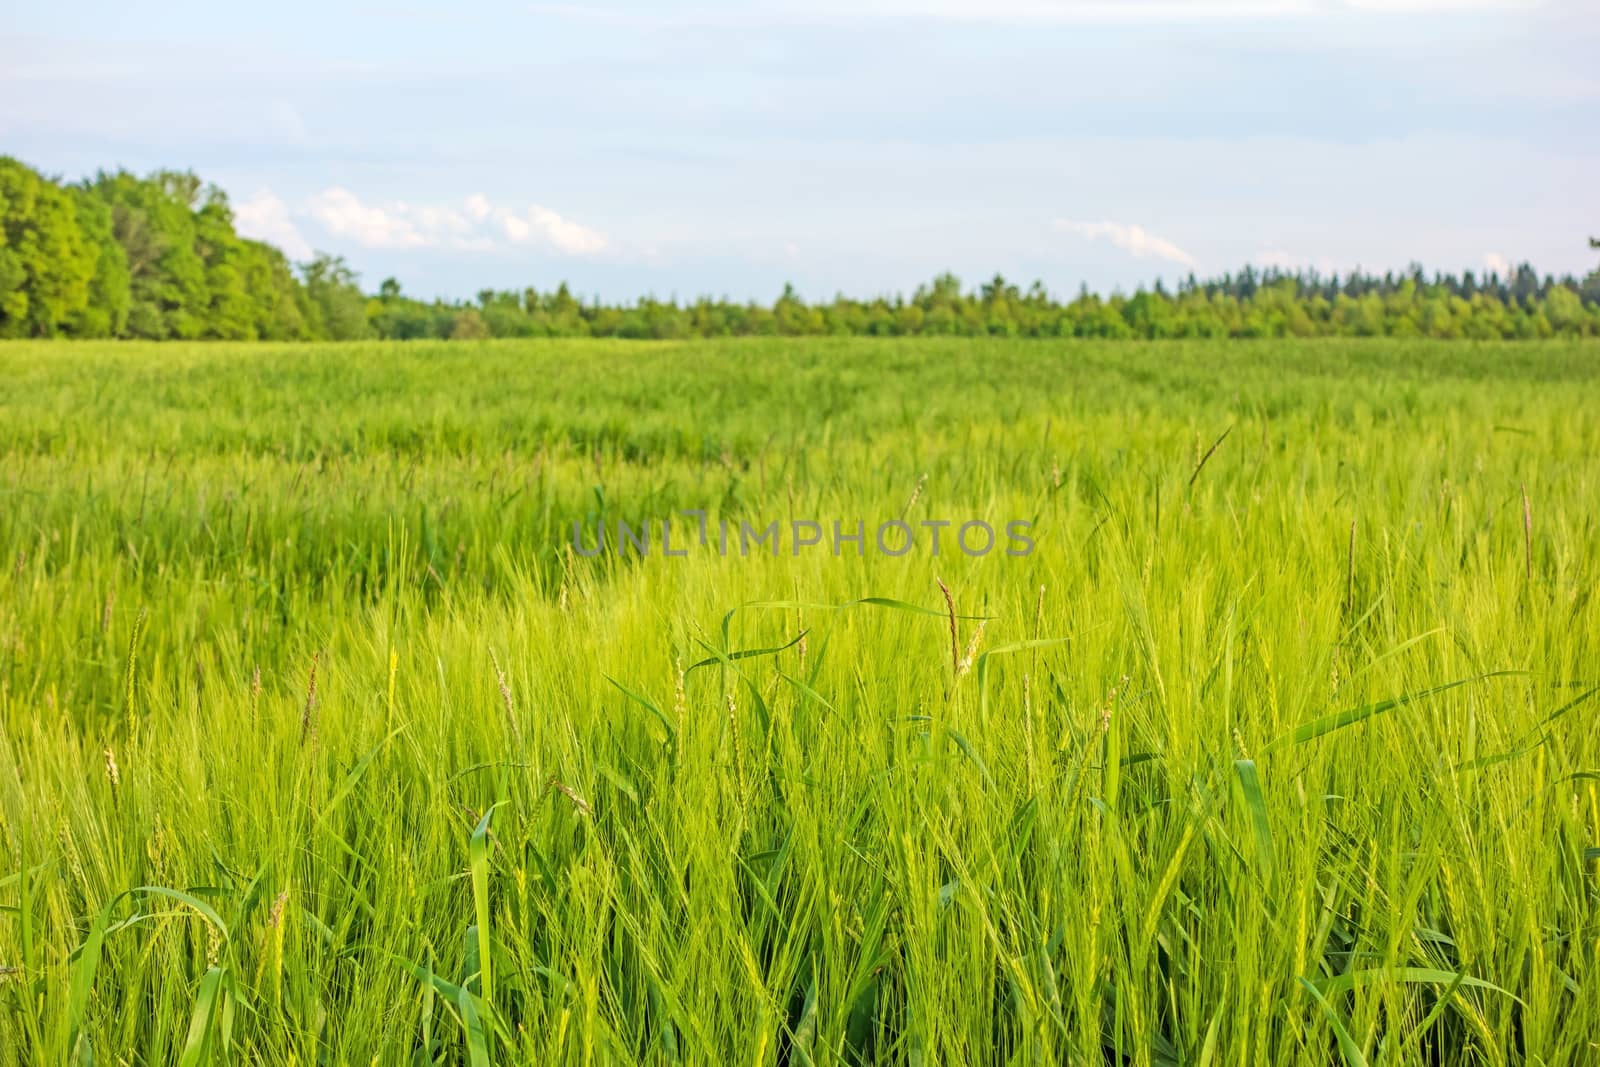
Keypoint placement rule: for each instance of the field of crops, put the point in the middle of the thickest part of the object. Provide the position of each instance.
(322, 744)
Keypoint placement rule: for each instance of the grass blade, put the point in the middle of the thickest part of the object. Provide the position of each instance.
(478, 862)
(1250, 785)
(1327, 724)
(472, 1024)
(1340, 983)
(194, 1047)
(1348, 1048)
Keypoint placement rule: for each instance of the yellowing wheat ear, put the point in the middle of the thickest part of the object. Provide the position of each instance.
(955, 634)
(972, 649)
(308, 723)
(513, 729)
(572, 795)
(680, 699)
(916, 494)
(1527, 534)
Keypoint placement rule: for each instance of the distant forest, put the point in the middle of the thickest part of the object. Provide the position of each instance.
(158, 258)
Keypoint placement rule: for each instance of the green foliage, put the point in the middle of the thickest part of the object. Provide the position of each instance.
(46, 263)
(230, 313)
(337, 310)
(159, 258)
(156, 222)
(280, 304)
(105, 312)
(318, 745)
(123, 256)
(469, 325)
(1269, 305)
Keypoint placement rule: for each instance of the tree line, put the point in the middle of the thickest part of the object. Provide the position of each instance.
(158, 257)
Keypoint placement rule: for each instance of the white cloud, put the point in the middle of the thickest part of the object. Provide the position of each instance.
(477, 226)
(264, 217)
(1495, 263)
(564, 233)
(516, 227)
(540, 225)
(443, 222)
(343, 214)
(1129, 237)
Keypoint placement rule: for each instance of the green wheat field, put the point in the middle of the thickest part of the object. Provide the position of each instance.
(322, 745)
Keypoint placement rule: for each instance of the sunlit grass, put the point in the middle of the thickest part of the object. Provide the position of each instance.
(320, 745)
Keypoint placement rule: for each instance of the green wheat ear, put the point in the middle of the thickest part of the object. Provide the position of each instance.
(130, 677)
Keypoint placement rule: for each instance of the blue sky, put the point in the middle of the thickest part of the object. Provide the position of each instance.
(844, 146)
